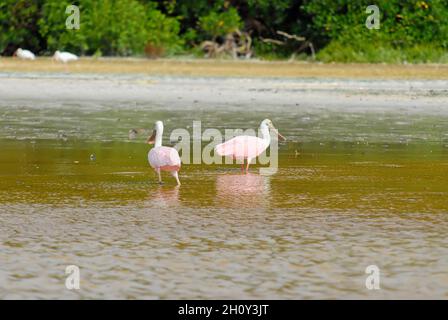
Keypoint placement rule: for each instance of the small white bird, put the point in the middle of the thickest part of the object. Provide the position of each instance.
(64, 56)
(24, 54)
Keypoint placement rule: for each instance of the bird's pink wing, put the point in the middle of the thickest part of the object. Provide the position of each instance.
(242, 147)
(164, 157)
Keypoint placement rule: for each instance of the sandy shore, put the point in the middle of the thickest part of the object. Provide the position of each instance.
(192, 84)
(228, 68)
(415, 96)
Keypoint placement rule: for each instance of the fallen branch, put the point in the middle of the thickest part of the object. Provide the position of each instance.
(236, 44)
(290, 36)
(273, 41)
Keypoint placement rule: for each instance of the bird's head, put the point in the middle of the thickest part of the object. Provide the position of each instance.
(267, 124)
(56, 54)
(16, 52)
(158, 127)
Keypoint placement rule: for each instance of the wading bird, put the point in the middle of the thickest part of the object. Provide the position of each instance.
(24, 54)
(248, 147)
(64, 56)
(163, 158)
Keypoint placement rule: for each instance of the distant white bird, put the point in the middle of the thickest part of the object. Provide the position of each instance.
(64, 56)
(24, 54)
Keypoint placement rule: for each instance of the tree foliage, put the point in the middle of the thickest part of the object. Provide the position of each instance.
(111, 27)
(406, 27)
(18, 25)
(219, 24)
(409, 28)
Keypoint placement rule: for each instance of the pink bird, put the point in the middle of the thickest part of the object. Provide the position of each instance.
(163, 158)
(248, 147)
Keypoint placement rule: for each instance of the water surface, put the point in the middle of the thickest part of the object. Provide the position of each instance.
(355, 187)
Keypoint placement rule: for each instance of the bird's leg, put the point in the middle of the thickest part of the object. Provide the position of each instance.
(242, 166)
(175, 175)
(160, 176)
(247, 166)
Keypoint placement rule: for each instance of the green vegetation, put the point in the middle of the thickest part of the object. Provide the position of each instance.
(410, 31)
(111, 27)
(415, 31)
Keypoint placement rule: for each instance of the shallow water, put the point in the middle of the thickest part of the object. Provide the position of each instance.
(353, 188)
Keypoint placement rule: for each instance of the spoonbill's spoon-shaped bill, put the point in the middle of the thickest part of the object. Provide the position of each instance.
(163, 158)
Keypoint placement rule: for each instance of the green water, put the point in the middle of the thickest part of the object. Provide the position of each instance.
(352, 189)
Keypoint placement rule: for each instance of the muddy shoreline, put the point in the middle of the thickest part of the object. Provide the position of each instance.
(348, 95)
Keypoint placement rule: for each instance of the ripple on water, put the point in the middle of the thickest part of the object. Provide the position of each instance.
(354, 188)
(172, 252)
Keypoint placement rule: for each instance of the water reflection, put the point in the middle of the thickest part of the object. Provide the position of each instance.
(242, 190)
(163, 196)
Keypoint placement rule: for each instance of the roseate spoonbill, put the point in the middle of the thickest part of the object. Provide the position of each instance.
(163, 158)
(64, 56)
(24, 54)
(248, 147)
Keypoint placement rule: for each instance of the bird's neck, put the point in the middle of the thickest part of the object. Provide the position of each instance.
(265, 135)
(158, 141)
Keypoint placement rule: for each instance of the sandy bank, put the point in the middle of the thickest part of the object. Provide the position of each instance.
(197, 93)
(228, 68)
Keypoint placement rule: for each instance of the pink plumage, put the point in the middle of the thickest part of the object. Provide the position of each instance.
(164, 158)
(242, 147)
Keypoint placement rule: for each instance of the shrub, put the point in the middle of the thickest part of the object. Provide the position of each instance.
(109, 27)
(18, 26)
(409, 30)
(219, 24)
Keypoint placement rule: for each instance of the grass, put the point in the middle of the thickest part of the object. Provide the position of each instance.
(228, 68)
(375, 53)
